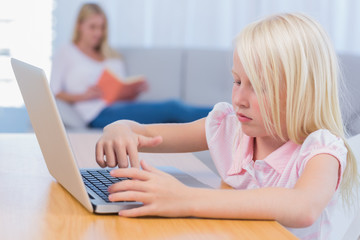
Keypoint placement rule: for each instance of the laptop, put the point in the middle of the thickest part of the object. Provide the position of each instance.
(88, 186)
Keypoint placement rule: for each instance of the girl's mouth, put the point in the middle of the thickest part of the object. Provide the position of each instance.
(242, 118)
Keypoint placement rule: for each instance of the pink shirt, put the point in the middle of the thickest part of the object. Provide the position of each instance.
(232, 153)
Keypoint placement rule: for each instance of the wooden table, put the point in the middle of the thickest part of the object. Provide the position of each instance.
(34, 206)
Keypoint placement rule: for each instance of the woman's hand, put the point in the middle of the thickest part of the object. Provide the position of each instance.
(133, 90)
(118, 142)
(93, 92)
(161, 193)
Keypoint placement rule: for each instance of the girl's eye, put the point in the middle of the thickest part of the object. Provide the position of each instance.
(238, 83)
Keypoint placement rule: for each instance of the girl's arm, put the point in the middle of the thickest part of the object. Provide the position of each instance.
(296, 207)
(165, 196)
(125, 138)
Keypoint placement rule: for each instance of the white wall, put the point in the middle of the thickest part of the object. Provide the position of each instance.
(25, 33)
(205, 23)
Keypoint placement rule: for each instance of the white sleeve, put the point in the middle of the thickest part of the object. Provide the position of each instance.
(58, 70)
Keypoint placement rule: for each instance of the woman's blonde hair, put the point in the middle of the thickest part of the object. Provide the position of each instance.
(85, 12)
(294, 71)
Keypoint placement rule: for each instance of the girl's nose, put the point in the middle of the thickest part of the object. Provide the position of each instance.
(240, 97)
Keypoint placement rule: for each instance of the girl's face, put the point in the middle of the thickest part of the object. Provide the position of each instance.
(92, 30)
(245, 102)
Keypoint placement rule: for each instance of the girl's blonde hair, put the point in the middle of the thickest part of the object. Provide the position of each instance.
(294, 71)
(85, 12)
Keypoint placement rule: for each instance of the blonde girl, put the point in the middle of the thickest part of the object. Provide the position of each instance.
(280, 144)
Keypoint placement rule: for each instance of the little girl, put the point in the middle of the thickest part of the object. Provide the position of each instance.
(280, 144)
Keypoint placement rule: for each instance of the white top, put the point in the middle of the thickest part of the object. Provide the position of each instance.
(232, 153)
(74, 72)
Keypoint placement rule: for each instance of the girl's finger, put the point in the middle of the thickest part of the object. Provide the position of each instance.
(128, 196)
(133, 173)
(137, 212)
(149, 141)
(128, 185)
(110, 155)
(99, 154)
(122, 159)
(134, 156)
(149, 168)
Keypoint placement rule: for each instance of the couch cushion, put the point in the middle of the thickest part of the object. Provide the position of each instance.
(347, 219)
(70, 117)
(350, 92)
(162, 67)
(208, 78)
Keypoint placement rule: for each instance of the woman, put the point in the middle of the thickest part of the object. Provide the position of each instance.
(78, 66)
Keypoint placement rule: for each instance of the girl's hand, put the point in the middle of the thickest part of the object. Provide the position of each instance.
(118, 142)
(161, 193)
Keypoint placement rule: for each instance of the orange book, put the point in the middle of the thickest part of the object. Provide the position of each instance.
(111, 85)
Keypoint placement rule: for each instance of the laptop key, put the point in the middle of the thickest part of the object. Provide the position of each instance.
(99, 181)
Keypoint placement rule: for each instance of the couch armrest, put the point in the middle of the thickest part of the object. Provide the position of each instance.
(69, 116)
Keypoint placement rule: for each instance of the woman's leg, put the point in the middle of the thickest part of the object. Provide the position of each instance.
(180, 112)
(171, 111)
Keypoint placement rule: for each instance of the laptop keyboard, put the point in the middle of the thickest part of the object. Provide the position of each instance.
(99, 181)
